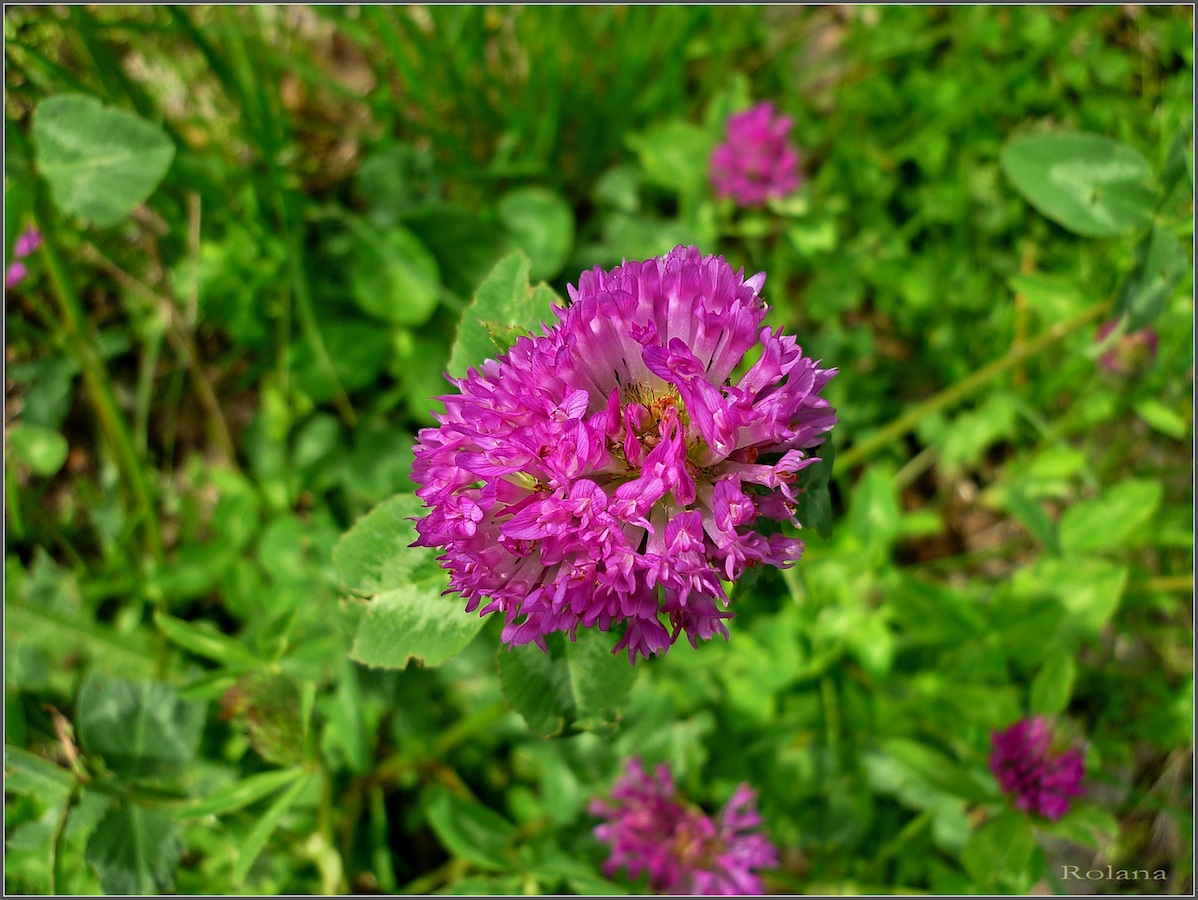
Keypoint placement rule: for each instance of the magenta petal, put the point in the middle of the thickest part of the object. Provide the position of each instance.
(652, 829)
(596, 474)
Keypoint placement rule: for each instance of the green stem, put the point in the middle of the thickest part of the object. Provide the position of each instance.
(476, 723)
(446, 874)
(307, 317)
(60, 831)
(12, 502)
(267, 122)
(831, 708)
(907, 421)
(176, 331)
(904, 837)
(82, 344)
(1169, 584)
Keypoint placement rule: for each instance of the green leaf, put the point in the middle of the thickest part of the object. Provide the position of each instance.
(26, 772)
(970, 433)
(922, 776)
(1176, 167)
(1087, 825)
(465, 245)
(374, 556)
(469, 830)
(269, 704)
(925, 612)
(42, 449)
(580, 876)
(420, 363)
(619, 188)
(240, 794)
(814, 509)
(1160, 263)
(1053, 297)
(875, 516)
(575, 683)
(674, 155)
(542, 225)
(393, 180)
(1088, 589)
(380, 463)
(999, 854)
(1089, 184)
(407, 618)
(139, 727)
(135, 850)
(265, 827)
(628, 236)
(1033, 516)
(1112, 521)
(503, 302)
(204, 640)
(359, 350)
(1162, 418)
(1053, 685)
(63, 634)
(413, 622)
(100, 162)
(395, 278)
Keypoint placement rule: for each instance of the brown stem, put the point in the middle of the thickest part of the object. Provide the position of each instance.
(183, 344)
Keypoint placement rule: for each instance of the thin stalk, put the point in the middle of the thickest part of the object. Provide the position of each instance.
(174, 397)
(145, 393)
(907, 421)
(183, 344)
(60, 832)
(445, 874)
(44, 73)
(480, 722)
(1177, 584)
(307, 317)
(12, 502)
(831, 708)
(82, 345)
(904, 837)
(1022, 313)
(272, 138)
(381, 859)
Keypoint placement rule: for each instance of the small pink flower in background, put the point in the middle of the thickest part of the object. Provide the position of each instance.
(756, 162)
(651, 828)
(612, 470)
(28, 242)
(1130, 353)
(15, 275)
(1043, 779)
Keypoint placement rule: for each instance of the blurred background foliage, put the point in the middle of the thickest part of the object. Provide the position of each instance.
(207, 386)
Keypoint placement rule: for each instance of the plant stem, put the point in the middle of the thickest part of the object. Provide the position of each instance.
(1019, 353)
(1182, 584)
(181, 340)
(60, 831)
(82, 344)
(12, 501)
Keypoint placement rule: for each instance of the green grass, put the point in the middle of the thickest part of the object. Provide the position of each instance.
(238, 369)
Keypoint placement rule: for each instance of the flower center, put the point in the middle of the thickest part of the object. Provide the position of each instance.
(649, 417)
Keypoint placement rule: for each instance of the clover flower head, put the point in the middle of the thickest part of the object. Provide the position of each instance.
(651, 828)
(612, 469)
(15, 274)
(1131, 353)
(756, 162)
(1043, 779)
(28, 242)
